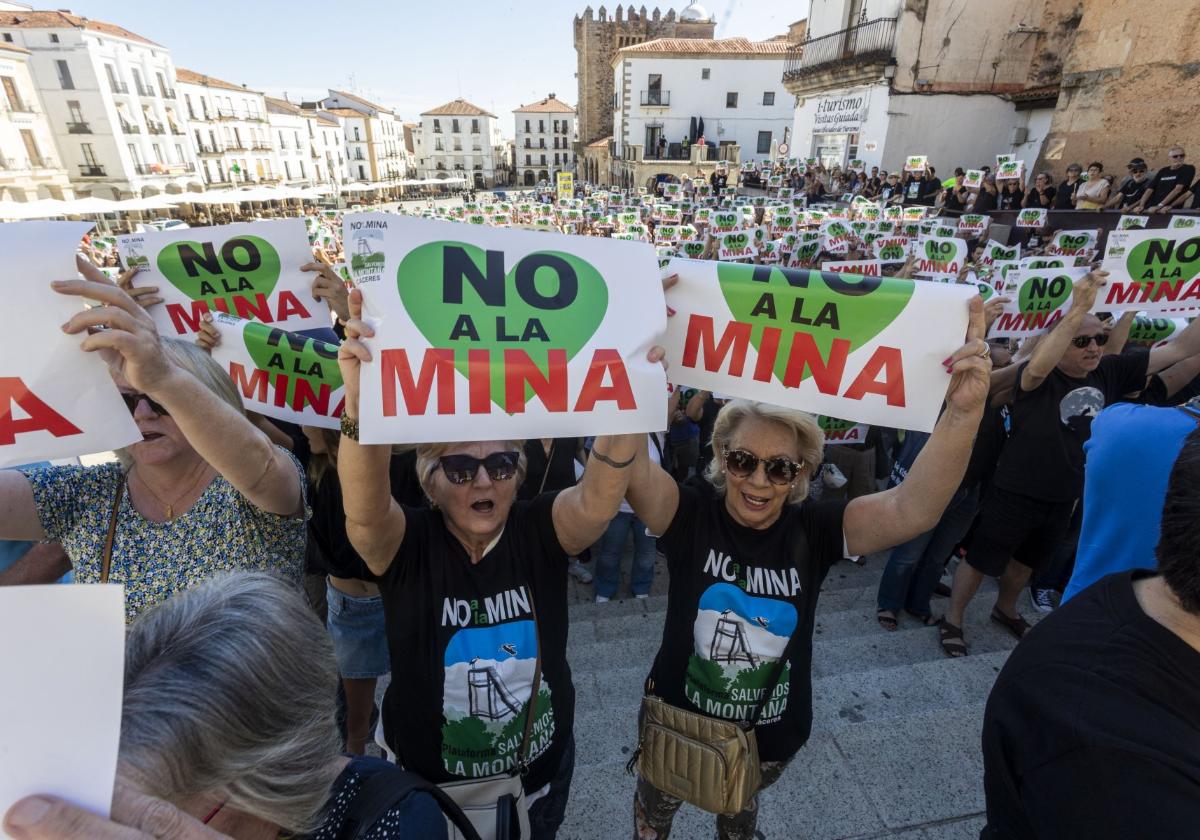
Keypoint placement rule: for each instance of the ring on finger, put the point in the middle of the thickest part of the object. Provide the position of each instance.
(986, 352)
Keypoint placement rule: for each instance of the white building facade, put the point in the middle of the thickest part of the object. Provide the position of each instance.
(29, 164)
(326, 148)
(110, 98)
(462, 139)
(545, 140)
(228, 124)
(670, 92)
(290, 138)
(380, 138)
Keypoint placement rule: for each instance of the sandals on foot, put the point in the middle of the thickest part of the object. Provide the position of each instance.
(928, 620)
(1017, 626)
(886, 620)
(953, 644)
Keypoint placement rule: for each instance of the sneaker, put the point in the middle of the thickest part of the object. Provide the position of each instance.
(832, 477)
(1044, 600)
(600, 599)
(577, 571)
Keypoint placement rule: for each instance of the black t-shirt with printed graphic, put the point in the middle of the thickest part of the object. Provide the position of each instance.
(1167, 179)
(737, 594)
(463, 648)
(1050, 424)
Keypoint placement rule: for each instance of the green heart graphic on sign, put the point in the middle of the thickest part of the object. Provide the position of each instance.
(891, 252)
(1072, 242)
(1163, 259)
(548, 300)
(736, 240)
(1044, 294)
(244, 266)
(299, 358)
(832, 424)
(836, 229)
(939, 251)
(861, 307)
(1151, 330)
(986, 291)
(1030, 216)
(693, 249)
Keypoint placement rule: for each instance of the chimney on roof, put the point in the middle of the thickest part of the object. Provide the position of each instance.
(551, 96)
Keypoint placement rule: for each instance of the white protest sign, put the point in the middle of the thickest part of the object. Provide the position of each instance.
(973, 223)
(1179, 222)
(1039, 299)
(60, 715)
(1070, 243)
(994, 252)
(915, 163)
(867, 349)
(1151, 271)
(891, 250)
(736, 245)
(248, 269)
(56, 401)
(485, 333)
(1154, 331)
(1009, 170)
(973, 180)
(867, 268)
(280, 374)
(1032, 217)
(940, 257)
(1129, 222)
(842, 431)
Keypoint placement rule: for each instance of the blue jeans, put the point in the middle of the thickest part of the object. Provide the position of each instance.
(914, 567)
(608, 556)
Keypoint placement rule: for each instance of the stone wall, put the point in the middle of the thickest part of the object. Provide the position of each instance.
(597, 39)
(1130, 84)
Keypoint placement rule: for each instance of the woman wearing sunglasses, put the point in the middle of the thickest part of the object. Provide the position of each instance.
(204, 491)
(475, 599)
(746, 566)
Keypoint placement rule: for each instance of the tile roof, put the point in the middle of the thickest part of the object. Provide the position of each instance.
(549, 105)
(364, 102)
(62, 20)
(1032, 93)
(282, 106)
(346, 112)
(602, 143)
(13, 48)
(458, 108)
(707, 46)
(191, 77)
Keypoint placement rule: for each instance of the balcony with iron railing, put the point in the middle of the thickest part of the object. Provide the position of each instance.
(656, 98)
(130, 128)
(145, 90)
(119, 87)
(261, 146)
(155, 127)
(168, 93)
(225, 114)
(91, 170)
(209, 149)
(78, 128)
(856, 53)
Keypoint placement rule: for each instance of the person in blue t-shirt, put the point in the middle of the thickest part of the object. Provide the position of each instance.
(1132, 448)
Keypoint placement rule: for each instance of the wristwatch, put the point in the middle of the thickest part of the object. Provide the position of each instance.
(349, 427)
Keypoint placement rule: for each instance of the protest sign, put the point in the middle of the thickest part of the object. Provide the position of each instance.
(1032, 217)
(692, 248)
(565, 183)
(486, 333)
(248, 269)
(867, 349)
(835, 236)
(913, 214)
(842, 431)
(736, 245)
(973, 223)
(1003, 159)
(666, 233)
(60, 718)
(1152, 271)
(866, 268)
(280, 374)
(1070, 243)
(1010, 170)
(806, 249)
(1036, 263)
(1039, 300)
(940, 257)
(56, 401)
(724, 221)
(973, 180)
(891, 250)
(994, 252)
(1179, 222)
(1151, 331)
(915, 163)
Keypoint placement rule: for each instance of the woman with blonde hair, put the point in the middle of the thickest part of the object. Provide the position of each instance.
(746, 566)
(203, 491)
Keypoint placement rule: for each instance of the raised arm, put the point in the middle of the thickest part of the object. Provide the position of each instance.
(1184, 347)
(374, 520)
(1119, 334)
(18, 513)
(882, 520)
(695, 406)
(581, 513)
(1052, 347)
(219, 433)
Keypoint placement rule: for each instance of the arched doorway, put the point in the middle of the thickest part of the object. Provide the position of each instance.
(529, 178)
(479, 183)
(543, 175)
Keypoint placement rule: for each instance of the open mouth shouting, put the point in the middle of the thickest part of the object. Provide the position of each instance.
(483, 506)
(755, 503)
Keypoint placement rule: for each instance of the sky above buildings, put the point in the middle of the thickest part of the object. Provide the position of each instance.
(402, 54)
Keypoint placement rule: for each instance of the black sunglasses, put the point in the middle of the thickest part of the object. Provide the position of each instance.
(779, 470)
(462, 469)
(1084, 340)
(132, 400)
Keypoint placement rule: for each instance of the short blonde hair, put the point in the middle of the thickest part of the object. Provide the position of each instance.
(428, 454)
(810, 440)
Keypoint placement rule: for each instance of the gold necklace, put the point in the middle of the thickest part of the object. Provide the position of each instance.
(171, 506)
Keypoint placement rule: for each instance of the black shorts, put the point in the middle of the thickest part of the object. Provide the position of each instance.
(1019, 527)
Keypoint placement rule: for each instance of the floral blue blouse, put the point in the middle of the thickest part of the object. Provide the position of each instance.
(222, 531)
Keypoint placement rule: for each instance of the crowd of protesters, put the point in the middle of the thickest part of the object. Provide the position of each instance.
(212, 533)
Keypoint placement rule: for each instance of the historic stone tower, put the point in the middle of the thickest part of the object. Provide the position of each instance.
(597, 40)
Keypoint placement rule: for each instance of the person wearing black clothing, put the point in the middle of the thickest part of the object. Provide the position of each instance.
(986, 199)
(718, 181)
(1041, 194)
(1011, 197)
(1169, 184)
(747, 562)
(1064, 196)
(1039, 478)
(1127, 196)
(1091, 728)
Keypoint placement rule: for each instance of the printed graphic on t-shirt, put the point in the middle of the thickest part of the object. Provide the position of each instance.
(1080, 406)
(738, 640)
(488, 679)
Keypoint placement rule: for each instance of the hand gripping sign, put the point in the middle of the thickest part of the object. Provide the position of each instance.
(280, 374)
(56, 401)
(250, 269)
(484, 333)
(1152, 271)
(866, 349)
